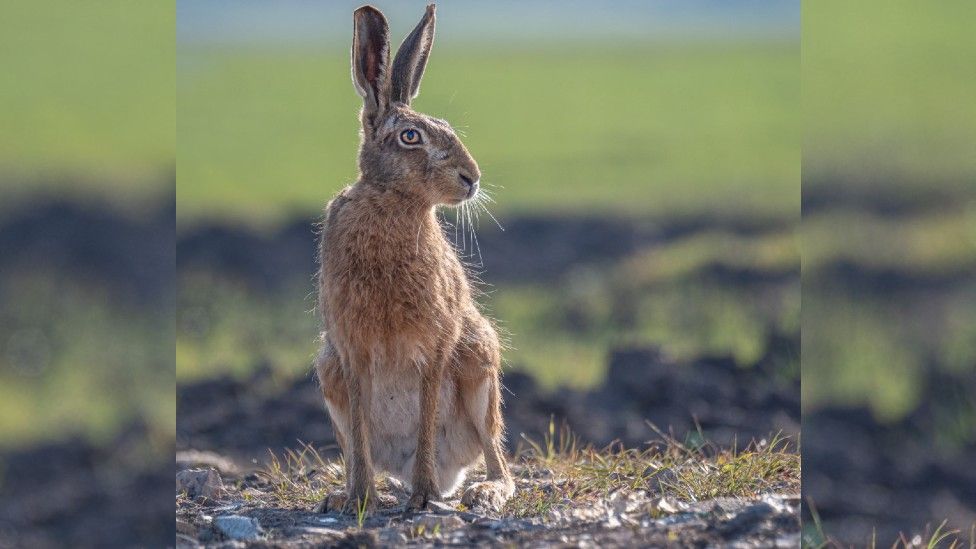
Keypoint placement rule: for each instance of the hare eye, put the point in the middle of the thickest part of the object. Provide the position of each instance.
(410, 137)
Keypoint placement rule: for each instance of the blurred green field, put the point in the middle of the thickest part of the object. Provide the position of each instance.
(889, 103)
(73, 360)
(887, 115)
(87, 112)
(643, 130)
(87, 94)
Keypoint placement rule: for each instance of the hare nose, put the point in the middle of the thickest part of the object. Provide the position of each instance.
(467, 180)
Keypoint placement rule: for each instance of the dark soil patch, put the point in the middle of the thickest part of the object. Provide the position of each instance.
(134, 256)
(530, 249)
(76, 494)
(886, 197)
(866, 476)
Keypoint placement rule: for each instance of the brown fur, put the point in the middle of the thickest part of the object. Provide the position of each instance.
(409, 367)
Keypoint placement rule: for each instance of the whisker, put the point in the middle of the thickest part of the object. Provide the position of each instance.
(456, 223)
(487, 211)
(464, 232)
(474, 240)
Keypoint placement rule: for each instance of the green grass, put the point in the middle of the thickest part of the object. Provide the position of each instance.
(930, 244)
(88, 98)
(941, 537)
(575, 476)
(887, 94)
(224, 328)
(642, 129)
(74, 362)
(870, 348)
(874, 349)
(888, 110)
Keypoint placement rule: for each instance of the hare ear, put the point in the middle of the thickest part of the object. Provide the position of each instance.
(411, 59)
(371, 59)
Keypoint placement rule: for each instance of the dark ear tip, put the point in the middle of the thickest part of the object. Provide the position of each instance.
(368, 11)
(431, 8)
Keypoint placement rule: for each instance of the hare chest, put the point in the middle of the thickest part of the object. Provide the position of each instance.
(395, 422)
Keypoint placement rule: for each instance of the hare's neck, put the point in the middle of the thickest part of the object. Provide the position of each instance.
(399, 217)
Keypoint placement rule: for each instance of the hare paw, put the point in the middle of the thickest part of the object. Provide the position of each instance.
(421, 497)
(489, 495)
(335, 501)
(340, 501)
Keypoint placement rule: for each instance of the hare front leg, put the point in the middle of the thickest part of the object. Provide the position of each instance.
(482, 401)
(334, 379)
(478, 377)
(332, 382)
(425, 488)
(359, 463)
(347, 388)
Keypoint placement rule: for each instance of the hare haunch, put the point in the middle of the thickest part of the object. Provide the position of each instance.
(408, 366)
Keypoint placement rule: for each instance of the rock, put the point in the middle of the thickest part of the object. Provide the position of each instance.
(488, 523)
(186, 459)
(658, 482)
(319, 531)
(184, 527)
(237, 527)
(444, 522)
(396, 486)
(200, 483)
(669, 507)
(440, 506)
(184, 541)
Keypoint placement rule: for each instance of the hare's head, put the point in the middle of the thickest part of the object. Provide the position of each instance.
(412, 153)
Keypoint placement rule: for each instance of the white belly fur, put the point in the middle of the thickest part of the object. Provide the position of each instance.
(395, 420)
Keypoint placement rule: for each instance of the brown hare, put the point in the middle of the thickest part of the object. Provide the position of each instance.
(408, 366)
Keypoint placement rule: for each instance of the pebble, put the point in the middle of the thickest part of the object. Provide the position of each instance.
(200, 483)
(395, 485)
(320, 531)
(440, 506)
(669, 507)
(445, 522)
(237, 527)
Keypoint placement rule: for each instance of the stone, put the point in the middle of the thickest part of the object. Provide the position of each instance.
(237, 527)
(668, 507)
(189, 459)
(440, 506)
(396, 486)
(319, 531)
(445, 522)
(200, 483)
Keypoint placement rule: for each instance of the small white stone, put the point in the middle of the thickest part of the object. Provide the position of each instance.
(441, 506)
(237, 527)
(445, 522)
(320, 531)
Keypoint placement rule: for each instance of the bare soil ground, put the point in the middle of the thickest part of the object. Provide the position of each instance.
(663, 495)
(74, 493)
